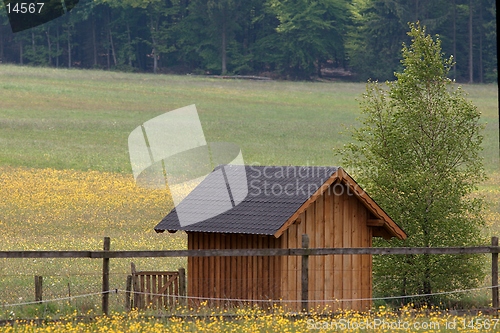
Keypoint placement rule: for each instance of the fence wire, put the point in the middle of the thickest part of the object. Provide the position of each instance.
(116, 291)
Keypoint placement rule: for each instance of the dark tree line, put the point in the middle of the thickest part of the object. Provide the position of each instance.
(296, 39)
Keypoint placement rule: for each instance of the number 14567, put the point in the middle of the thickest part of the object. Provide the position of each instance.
(23, 7)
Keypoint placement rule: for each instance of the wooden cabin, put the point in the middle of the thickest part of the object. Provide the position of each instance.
(282, 204)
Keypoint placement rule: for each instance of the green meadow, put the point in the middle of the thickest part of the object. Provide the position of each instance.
(65, 175)
(74, 119)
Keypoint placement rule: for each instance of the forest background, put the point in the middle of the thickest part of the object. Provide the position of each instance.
(292, 39)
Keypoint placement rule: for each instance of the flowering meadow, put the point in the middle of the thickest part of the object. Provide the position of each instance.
(65, 183)
(47, 209)
(253, 320)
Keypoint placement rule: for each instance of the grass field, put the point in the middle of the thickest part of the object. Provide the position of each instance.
(68, 119)
(81, 119)
(65, 176)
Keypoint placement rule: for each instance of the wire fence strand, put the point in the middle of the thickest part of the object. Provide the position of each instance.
(116, 291)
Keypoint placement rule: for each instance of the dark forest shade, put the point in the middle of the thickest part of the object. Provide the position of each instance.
(297, 39)
(338, 213)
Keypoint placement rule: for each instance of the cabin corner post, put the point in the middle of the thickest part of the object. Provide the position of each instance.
(494, 273)
(305, 274)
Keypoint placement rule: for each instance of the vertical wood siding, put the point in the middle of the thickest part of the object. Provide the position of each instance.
(253, 278)
(336, 219)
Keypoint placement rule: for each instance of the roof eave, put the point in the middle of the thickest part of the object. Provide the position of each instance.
(306, 204)
(390, 226)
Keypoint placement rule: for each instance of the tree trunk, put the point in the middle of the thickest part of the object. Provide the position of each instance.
(403, 287)
(1, 44)
(57, 47)
(94, 40)
(155, 60)
(49, 46)
(21, 52)
(108, 57)
(153, 51)
(140, 61)
(110, 36)
(33, 42)
(112, 46)
(129, 45)
(69, 47)
(416, 10)
(481, 77)
(454, 40)
(224, 56)
(427, 284)
(471, 62)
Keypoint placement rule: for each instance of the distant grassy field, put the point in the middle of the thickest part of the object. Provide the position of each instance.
(65, 176)
(81, 119)
(69, 119)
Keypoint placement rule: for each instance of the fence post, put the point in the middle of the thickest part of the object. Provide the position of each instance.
(128, 289)
(182, 286)
(137, 302)
(38, 288)
(305, 274)
(494, 274)
(105, 278)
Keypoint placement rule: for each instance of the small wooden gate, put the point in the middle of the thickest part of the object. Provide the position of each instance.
(155, 289)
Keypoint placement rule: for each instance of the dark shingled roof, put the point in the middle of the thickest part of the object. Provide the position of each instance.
(275, 193)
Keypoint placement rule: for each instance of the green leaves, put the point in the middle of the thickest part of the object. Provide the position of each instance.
(417, 152)
(309, 32)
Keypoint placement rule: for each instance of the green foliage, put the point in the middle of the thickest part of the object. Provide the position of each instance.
(216, 34)
(417, 153)
(379, 27)
(297, 39)
(374, 38)
(33, 53)
(309, 33)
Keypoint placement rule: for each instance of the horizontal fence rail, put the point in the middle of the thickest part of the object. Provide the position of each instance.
(303, 252)
(249, 252)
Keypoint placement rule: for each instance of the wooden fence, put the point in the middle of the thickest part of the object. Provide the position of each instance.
(106, 254)
(156, 289)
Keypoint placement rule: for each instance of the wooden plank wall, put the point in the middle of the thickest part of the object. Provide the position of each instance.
(336, 219)
(253, 278)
